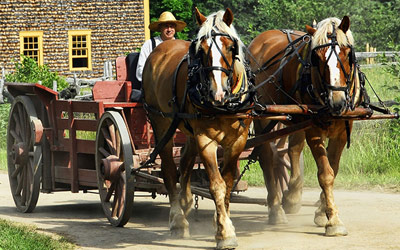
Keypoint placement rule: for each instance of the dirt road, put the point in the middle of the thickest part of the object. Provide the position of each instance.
(372, 219)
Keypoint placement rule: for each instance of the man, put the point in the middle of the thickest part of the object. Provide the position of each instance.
(167, 25)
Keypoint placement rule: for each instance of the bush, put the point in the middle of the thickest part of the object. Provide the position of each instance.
(4, 110)
(29, 71)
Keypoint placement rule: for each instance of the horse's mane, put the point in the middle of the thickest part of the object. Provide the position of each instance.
(325, 26)
(216, 23)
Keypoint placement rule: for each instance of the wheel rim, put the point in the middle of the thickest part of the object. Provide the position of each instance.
(23, 156)
(113, 166)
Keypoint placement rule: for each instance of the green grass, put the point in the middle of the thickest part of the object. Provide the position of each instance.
(18, 237)
(3, 160)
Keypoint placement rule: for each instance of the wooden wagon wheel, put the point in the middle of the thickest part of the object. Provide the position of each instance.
(114, 162)
(24, 154)
(281, 160)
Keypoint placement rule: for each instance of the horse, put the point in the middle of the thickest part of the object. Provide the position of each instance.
(192, 85)
(316, 67)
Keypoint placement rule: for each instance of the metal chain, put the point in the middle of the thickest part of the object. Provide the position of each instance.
(247, 167)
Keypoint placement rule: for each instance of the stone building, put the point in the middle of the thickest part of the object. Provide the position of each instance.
(71, 36)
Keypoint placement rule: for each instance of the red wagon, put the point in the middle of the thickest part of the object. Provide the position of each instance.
(73, 145)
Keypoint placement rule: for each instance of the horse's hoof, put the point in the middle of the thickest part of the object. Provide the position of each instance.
(229, 243)
(320, 220)
(180, 233)
(338, 230)
(277, 216)
(291, 208)
(290, 203)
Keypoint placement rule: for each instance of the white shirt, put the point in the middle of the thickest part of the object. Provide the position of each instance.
(144, 53)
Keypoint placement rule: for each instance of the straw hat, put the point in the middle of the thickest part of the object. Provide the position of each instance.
(167, 17)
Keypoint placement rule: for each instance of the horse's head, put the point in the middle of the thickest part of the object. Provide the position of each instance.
(220, 52)
(334, 64)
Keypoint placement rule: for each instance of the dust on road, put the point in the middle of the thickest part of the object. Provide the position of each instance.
(372, 219)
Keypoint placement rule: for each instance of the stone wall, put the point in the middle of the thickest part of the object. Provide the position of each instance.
(116, 27)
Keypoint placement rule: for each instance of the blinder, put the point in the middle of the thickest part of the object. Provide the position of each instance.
(199, 83)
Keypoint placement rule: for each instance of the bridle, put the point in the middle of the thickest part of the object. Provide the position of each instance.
(349, 76)
(199, 71)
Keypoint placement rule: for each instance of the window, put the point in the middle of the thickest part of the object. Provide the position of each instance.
(79, 50)
(31, 45)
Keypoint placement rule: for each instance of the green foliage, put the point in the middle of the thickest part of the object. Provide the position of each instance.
(181, 10)
(4, 111)
(15, 236)
(372, 21)
(29, 71)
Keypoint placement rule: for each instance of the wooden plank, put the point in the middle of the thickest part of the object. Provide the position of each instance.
(375, 54)
(111, 91)
(62, 174)
(85, 125)
(85, 146)
(85, 106)
(88, 177)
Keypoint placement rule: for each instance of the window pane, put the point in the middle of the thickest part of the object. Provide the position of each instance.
(79, 62)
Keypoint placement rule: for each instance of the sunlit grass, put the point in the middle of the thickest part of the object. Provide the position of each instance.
(17, 236)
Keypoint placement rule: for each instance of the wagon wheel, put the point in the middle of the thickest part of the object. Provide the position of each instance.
(24, 156)
(114, 162)
(281, 161)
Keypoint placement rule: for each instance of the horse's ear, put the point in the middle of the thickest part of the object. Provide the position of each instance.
(345, 24)
(228, 17)
(310, 30)
(200, 18)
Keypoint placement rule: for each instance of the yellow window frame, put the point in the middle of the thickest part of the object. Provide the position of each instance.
(27, 47)
(79, 48)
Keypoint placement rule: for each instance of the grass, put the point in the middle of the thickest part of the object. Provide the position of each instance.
(17, 236)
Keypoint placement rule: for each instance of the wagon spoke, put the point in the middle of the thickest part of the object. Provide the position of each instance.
(18, 127)
(16, 137)
(20, 182)
(114, 206)
(121, 198)
(112, 131)
(22, 122)
(107, 137)
(104, 152)
(109, 192)
(17, 170)
(23, 186)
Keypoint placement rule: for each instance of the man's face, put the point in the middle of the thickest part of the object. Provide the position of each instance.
(167, 31)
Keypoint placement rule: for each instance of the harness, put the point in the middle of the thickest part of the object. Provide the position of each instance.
(199, 84)
(197, 90)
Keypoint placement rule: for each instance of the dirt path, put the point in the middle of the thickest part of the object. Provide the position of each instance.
(372, 219)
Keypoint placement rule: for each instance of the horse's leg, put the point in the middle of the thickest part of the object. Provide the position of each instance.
(188, 157)
(225, 235)
(229, 170)
(276, 214)
(335, 149)
(326, 176)
(178, 224)
(291, 200)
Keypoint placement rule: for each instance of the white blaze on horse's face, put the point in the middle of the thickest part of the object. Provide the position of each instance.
(219, 92)
(336, 98)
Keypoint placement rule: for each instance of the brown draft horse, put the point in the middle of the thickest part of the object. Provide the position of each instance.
(219, 70)
(317, 68)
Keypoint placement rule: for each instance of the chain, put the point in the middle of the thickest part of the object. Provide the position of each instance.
(247, 167)
(196, 202)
